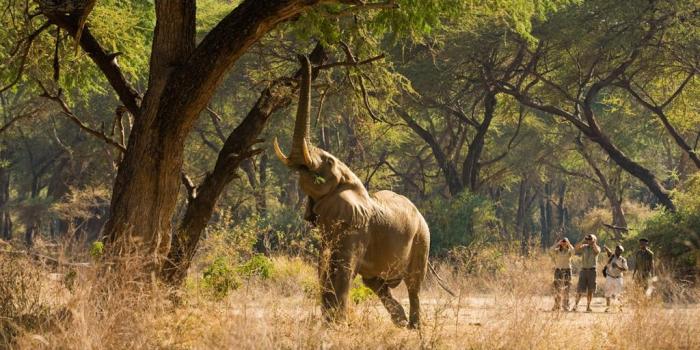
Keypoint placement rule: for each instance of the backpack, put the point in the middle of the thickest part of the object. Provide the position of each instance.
(605, 268)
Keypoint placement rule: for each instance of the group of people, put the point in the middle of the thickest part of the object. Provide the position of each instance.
(613, 271)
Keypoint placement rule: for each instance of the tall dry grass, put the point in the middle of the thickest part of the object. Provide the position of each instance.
(88, 308)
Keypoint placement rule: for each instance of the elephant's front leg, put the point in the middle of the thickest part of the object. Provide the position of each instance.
(336, 277)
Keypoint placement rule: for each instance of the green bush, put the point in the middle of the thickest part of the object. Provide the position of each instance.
(257, 266)
(675, 237)
(359, 292)
(477, 258)
(220, 278)
(456, 222)
(289, 232)
(97, 249)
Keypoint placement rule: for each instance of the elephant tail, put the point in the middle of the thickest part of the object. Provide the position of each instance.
(440, 281)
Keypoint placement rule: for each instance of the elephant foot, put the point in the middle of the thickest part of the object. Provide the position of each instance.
(399, 321)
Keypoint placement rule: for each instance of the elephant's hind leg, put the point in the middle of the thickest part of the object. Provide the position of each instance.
(414, 279)
(381, 288)
(413, 289)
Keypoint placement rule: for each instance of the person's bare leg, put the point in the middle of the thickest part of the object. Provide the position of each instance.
(589, 297)
(578, 298)
(607, 304)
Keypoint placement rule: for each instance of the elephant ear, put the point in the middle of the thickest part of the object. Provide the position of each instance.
(348, 207)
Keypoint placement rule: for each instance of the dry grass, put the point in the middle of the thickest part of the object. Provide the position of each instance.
(506, 310)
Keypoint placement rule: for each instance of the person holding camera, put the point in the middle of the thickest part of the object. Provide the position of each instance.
(589, 250)
(562, 252)
(613, 271)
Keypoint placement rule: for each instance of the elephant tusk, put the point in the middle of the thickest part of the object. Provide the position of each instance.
(279, 153)
(306, 154)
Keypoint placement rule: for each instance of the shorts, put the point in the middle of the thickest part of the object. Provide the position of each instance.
(613, 287)
(562, 278)
(586, 281)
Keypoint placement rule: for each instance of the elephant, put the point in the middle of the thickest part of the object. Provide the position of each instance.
(382, 237)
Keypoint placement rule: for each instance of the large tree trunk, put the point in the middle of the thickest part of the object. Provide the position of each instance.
(146, 188)
(182, 79)
(236, 149)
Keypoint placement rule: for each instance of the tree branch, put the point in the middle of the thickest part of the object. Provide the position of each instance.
(72, 117)
(106, 62)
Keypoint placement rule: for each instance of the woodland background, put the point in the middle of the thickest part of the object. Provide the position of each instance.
(488, 115)
(510, 124)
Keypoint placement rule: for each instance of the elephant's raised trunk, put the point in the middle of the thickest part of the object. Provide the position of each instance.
(300, 154)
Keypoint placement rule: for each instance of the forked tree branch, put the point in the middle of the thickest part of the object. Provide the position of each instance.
(65, 109)
(106, 62)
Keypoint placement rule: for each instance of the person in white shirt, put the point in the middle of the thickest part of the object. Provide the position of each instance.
(614, 270)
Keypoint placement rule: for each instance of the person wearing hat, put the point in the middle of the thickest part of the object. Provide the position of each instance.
(614, 270)
(589, 250)
(562, 252)
(643, 264)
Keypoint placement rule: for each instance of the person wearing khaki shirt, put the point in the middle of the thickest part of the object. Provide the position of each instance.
(589, 250)
(562, 252)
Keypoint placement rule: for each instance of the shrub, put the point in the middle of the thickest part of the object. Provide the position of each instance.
(257, 266)
(289, 232)
(676, 236)
(21, 304)
(477, 258)
(359, 292)
(294, 275)
(220, 278)
(97, 249)
(456, 222)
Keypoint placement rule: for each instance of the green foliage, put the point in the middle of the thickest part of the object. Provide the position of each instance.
(234, 242)
(359, 292)
(220, 278)
(293, 275)
(458, 221)
(97, 249)
(257, 266)
(676, 236)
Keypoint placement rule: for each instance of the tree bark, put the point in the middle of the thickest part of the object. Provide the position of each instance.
(182, 79)
(471, 167)
(452, 178)
(236, 149)
(618, 214)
